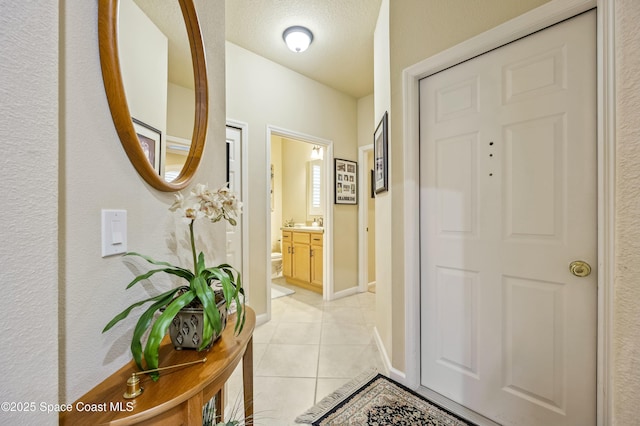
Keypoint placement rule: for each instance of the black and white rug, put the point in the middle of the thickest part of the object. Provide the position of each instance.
(374, 399)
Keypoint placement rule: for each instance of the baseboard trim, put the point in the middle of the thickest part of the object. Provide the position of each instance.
(345, 293)
(262, 319)
(393, 373)
(386, 362)
(397, 375)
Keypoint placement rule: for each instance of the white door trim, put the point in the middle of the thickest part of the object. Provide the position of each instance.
(363, 220)
(548, 14)
(327, 252)
(244, 131)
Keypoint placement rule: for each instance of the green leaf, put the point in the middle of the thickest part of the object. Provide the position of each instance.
(155, 262)
(207, 332)
(228, 289)
(122, 315)
(143, 324)
(231, 281)
(240, 317)
(171, 269)
(187, 276)
(200, 265)
(159, 329)
(231, 290)
(207, 297)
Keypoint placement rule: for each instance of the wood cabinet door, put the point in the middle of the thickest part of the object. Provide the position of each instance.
(316, 260)
(302, 262)
(287, 264)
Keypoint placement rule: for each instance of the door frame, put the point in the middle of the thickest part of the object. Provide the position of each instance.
(537, 19)
(244, 187)
(327, 252)
(363, 219)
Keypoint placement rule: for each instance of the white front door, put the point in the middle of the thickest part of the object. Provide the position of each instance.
(507, 203)
(234, 176)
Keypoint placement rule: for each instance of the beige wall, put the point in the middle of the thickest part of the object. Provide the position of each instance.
(366, 128)
(626, 316)
(144, 47)
(29, 227)
(181, 109)
(262, 93)
(366, 120)
(371, 223)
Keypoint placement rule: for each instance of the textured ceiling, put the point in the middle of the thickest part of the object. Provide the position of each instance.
(341, 54)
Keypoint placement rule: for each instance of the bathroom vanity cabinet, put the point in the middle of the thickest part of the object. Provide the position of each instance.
(302, 257)
(316, 260)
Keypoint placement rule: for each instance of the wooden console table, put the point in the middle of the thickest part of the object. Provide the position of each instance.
(178, 396)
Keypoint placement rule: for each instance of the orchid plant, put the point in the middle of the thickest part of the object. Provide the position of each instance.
(202, 202)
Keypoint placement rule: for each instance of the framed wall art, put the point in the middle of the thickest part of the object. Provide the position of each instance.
(150, 140)
(346, 188)
(381, 155)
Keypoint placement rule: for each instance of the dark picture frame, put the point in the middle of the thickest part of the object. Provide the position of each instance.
(346, 181)
(151, 142)
(372, 183)
(381, 155)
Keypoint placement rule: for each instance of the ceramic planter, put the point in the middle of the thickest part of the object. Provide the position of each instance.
(186, 328)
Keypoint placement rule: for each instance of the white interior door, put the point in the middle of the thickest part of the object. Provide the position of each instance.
(507, 202)
(234, 168)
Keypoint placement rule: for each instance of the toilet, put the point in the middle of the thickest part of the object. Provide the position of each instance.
(276, 265)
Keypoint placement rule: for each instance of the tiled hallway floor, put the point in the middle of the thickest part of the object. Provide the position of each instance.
(308, 349)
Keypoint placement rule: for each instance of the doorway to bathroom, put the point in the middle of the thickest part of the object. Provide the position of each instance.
(299, 212)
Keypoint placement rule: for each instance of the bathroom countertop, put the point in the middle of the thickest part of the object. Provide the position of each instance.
(318, 229)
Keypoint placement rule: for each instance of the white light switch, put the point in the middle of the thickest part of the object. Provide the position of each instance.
(114, 232)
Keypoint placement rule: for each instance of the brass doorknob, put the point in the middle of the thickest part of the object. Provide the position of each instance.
(580, 268)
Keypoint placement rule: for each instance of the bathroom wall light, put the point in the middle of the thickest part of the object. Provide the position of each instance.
(316, 153)
(297, 38)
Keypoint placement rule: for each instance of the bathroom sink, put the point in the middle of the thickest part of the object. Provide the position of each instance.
(309, 228)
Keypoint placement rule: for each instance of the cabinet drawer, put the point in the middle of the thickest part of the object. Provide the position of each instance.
(286, 236)
(301, 237)
(316, 239)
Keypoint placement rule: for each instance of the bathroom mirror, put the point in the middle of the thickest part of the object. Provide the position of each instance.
(130, 61)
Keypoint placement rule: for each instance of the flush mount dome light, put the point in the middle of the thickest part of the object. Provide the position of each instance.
(297, 38)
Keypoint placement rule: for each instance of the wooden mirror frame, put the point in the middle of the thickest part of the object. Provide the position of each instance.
(116, 96)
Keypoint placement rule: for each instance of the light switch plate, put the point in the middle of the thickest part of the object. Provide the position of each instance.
(114, 232)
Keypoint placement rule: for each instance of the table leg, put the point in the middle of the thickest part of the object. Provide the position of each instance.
(193, 407)
(220, 405)
(247, 382)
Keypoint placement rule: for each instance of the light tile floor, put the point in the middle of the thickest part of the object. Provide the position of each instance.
(309, 349)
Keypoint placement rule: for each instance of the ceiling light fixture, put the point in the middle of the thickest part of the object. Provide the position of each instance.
(297, 38)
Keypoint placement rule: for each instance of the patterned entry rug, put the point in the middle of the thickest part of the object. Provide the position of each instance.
(380, 401)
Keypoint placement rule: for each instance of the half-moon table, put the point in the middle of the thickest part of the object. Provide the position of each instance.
(179, 394)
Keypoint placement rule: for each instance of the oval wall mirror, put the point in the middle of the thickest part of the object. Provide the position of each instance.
(155, 78)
